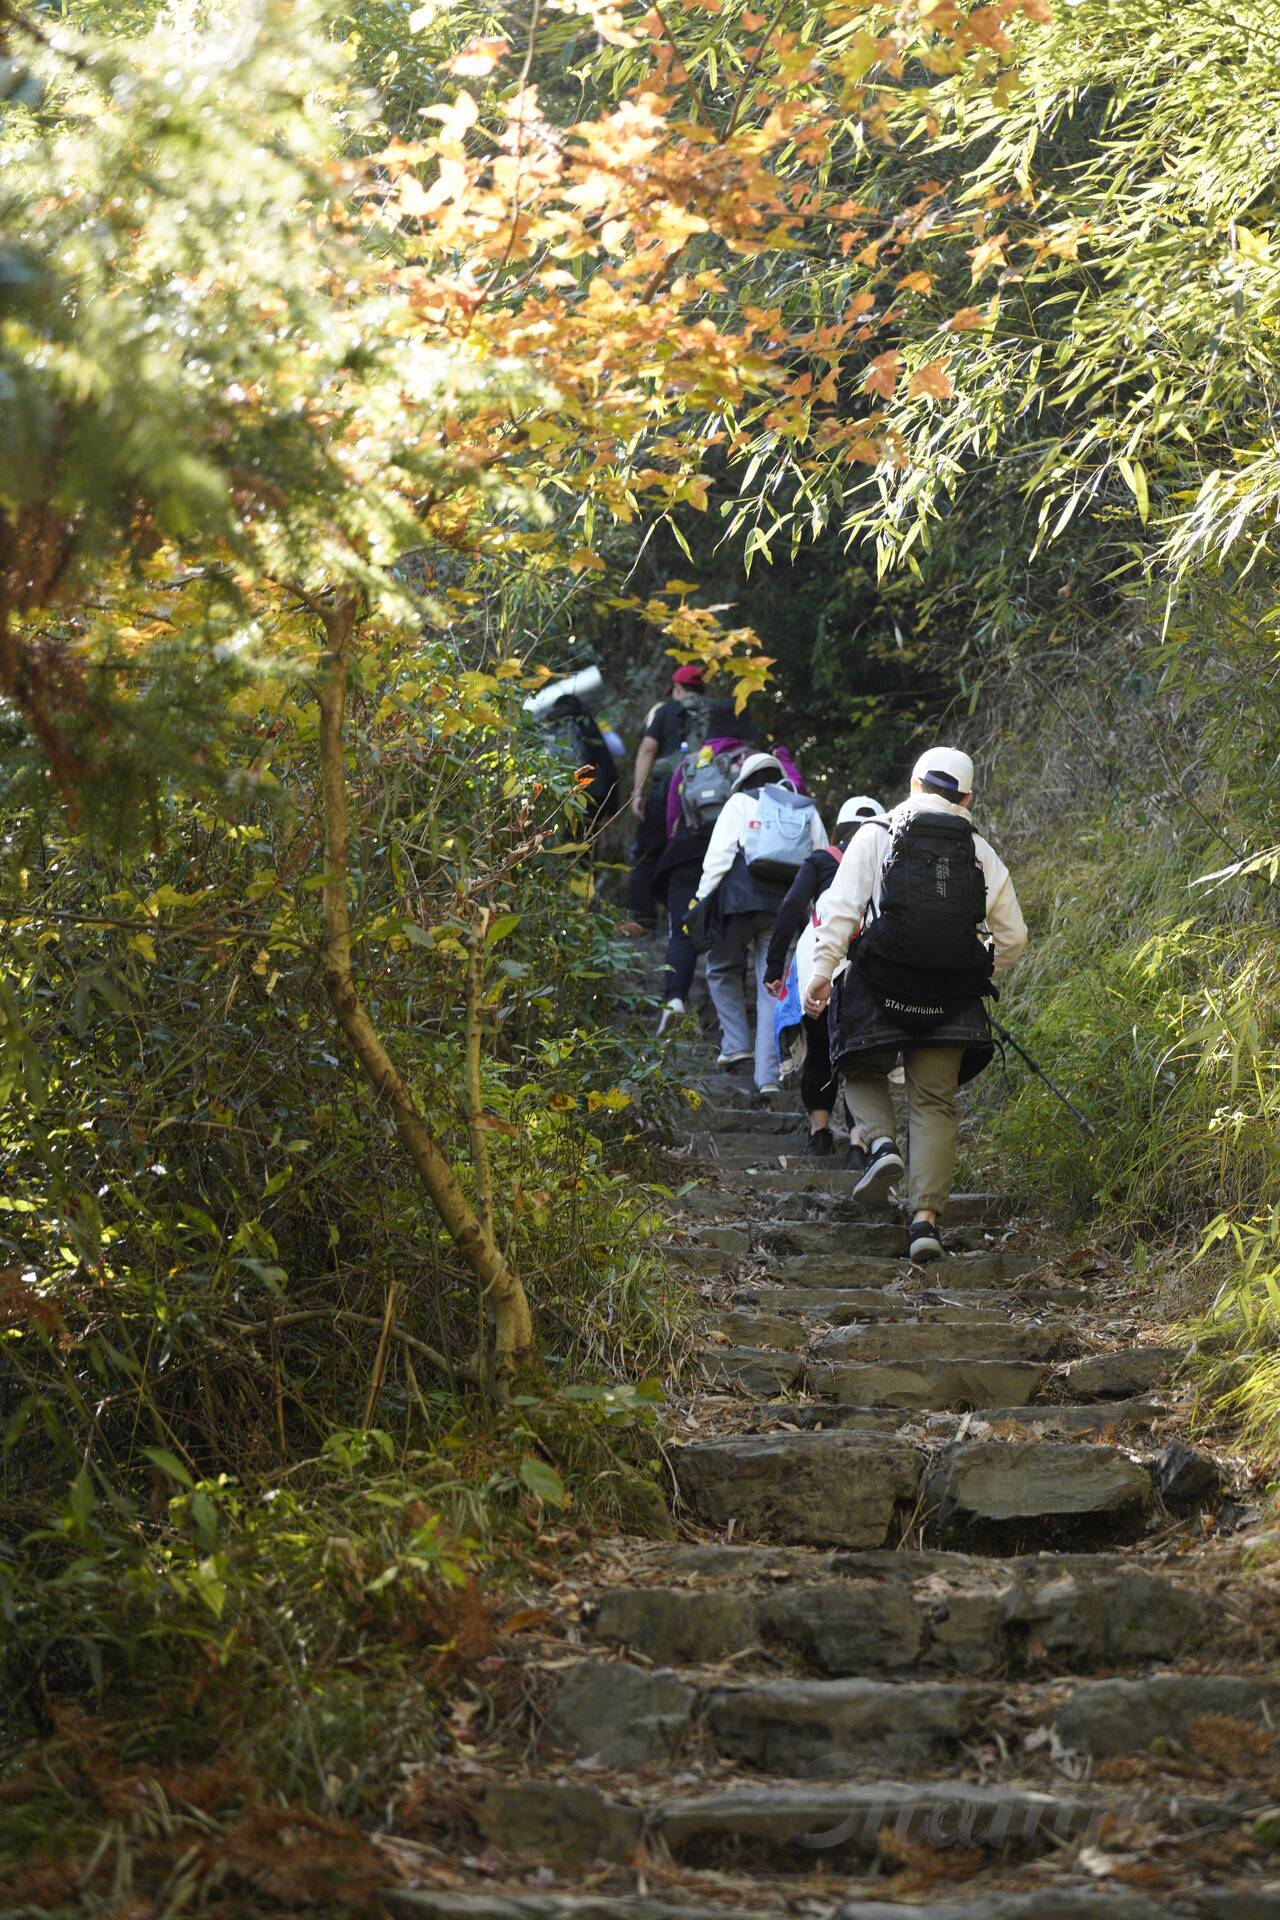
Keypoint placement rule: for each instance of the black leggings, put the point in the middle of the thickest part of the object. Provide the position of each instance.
(819, 1087)
(682, 955)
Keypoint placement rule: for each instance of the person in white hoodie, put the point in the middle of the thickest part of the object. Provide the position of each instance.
(940, 922)
(748, 891)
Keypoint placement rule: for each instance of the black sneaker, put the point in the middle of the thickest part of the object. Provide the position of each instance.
(884, 1166)
(923, 1243)
(820, 1144)
(855, 1160)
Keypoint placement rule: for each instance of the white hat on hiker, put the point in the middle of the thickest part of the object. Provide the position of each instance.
(945, 771)
(759, 763)
(861, 807)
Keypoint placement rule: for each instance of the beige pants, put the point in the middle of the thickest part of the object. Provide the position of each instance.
(932, 1074)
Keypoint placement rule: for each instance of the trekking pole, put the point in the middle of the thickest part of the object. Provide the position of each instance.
(1005, 1035)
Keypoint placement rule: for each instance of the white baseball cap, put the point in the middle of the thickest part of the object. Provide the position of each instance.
(759, 763)
(945, 771)
(861, 807)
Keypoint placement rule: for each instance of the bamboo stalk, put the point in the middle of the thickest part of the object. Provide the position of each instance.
(384, 1348)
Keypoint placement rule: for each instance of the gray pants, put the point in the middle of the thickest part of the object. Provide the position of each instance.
(932, 1075)
(742, 949)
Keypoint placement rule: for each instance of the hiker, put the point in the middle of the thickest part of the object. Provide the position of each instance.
(758, 844)
(574, 736)
(673, 728)
(696, 796)
(797, 917)
(939, 922)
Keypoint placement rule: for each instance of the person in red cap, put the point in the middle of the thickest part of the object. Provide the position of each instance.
(675, 727)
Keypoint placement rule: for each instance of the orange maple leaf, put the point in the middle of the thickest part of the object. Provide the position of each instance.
(916, 283)
(931, 382)
(968, 320)
(882, 374)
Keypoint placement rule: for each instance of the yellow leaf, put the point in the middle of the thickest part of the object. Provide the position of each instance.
(562, 1103)
(143, 943)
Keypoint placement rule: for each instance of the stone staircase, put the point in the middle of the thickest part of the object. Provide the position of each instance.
(955, 1629)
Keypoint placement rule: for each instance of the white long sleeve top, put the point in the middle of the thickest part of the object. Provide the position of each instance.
(857, 886)
(730, 834)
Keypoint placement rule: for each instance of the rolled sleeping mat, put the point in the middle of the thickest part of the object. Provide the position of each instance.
(580, 685)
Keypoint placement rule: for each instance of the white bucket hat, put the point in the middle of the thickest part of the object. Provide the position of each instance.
(759, 763)
(861, 807)
(945, 771)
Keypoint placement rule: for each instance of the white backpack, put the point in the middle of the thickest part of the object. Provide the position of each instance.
(780, 836)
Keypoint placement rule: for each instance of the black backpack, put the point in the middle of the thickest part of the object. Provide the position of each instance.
(695, 725)
(921, 955)
(575, 736)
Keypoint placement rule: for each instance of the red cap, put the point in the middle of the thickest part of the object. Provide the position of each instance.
(692, 676)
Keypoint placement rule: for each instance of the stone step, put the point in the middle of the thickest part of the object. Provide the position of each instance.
(819, 1828)
(746, 1328)
(753, 1369)
(825, 1827)
(1050, 1903)
(821, 1177)
(843, 1306)
(439, 1904)
(920, 1340)
(1066, 1420)
(845, 1267)
(830, 1243)
(859, 1489)
(824, 1489)
(850, 1306)
(772, 1122)
(1121, 1375)
(624, 1716)
(1013, 1486)
(884, 1613)
(730, 1198)
(932, 1385)
(1249, 1901)
(824, 1237)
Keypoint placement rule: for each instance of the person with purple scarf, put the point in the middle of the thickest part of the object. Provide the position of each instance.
(676, 878)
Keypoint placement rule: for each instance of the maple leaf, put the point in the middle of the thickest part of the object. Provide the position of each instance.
(916, 283)
(882, 374)
(931, 382)
(1038, 10)
(985, 26)
(968, 320)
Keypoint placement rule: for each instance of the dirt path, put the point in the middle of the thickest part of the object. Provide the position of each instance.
(955, 1626)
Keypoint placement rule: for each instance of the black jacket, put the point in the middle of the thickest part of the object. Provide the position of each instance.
(860, 1026)
(811, 882)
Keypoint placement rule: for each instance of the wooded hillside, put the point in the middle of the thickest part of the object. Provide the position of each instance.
(910, 364)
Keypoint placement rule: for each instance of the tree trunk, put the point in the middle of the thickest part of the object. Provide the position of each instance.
(498, 1284)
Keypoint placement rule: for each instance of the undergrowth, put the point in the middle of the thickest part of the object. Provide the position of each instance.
(1151, 987)
(260, 1532)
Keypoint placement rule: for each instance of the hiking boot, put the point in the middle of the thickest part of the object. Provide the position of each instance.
(923, 1243)
(731, 1060)
(671, 1016)
(855, 1159)
(820, 1144)
(884, 1165)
